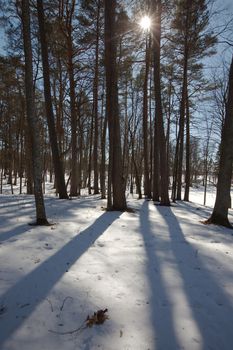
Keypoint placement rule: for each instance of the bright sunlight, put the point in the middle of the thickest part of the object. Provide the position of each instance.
(145, 23)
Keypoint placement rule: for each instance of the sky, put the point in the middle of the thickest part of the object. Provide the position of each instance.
(227, 4)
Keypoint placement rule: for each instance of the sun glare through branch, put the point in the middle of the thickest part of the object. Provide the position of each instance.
(145, 23)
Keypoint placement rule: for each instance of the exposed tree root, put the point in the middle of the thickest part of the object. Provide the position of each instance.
(217, 220)
(40, 222)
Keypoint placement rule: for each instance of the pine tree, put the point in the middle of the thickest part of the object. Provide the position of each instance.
(116, 180)
(159, 122)
(223, 197)
(192, 41)
(91, 25)
(32, 120)
(58, 168)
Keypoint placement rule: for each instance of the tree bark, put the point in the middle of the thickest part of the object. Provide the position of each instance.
(184, 98)
(223, 197)
(158, 105)
(181, 128)
(103, 157)
(187, 156)
(57, 163)
(147, 185)
(32, 120)
(74, 181)
(95, 101)
(156, 167)
(112, 108)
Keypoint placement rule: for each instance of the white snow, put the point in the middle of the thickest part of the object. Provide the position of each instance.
(165, 278)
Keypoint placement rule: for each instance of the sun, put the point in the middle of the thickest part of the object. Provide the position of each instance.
(145, 23)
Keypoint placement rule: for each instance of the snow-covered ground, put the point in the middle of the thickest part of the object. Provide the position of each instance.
(165, 278)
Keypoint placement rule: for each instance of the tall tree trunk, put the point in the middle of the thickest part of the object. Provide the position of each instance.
(80, 156)
(156, 167)
(69, 7)
(187, 169)
(125, 157)
(147, 186)
(168, 131)
(57, 163)
(181, 131)
(206, 155)
(60, 112)
(95, 101)
(175, 165)
(32, 119)
(28, 159)
(158, 105)
(134, 165)
(184, 98)
(90, 153)
(103, 157)
(112, 108)
(74, 124)
(223, 197)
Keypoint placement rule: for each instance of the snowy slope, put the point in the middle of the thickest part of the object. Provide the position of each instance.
(166, 278)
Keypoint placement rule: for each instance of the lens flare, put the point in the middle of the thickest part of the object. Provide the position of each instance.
(145, 23)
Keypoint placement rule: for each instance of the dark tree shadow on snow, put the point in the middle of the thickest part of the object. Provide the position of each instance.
(13, 234)
(161, 312)
(34, 287)
(210, 307)
(215, 325)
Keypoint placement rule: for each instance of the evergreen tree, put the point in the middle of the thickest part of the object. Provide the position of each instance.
(223, 197)
(192, 41)
(159, 135)
(58, 168)
(32, 120)
(116, 180)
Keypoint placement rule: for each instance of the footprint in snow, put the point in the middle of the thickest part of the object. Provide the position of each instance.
(3, 309)
(12, 240)
(48, 247)
(36, 261)
(120, 295)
